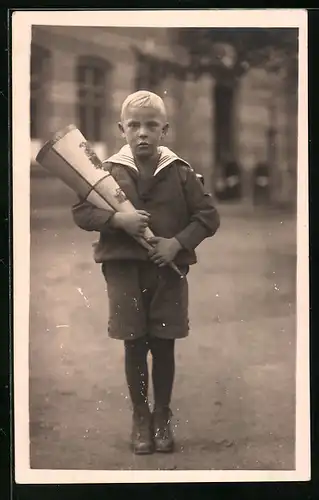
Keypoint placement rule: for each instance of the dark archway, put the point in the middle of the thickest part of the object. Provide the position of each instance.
(224, 122)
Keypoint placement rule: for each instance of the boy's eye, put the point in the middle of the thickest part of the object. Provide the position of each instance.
(149, 125)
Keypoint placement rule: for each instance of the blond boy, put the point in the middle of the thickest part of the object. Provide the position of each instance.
(148, 301)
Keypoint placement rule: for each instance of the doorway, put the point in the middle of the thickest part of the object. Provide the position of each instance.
(227, 181)
(224, 122)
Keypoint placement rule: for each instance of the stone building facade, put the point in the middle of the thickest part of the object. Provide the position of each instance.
(81, 75)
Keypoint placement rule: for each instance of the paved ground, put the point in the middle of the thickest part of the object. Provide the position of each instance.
(234, 393)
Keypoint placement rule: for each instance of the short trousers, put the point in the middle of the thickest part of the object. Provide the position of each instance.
(145, 299)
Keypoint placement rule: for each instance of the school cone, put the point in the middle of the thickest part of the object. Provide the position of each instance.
(69, 156)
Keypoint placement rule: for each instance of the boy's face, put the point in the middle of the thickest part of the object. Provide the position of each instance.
(143, 129)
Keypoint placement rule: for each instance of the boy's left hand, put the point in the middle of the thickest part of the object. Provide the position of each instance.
(164, 251)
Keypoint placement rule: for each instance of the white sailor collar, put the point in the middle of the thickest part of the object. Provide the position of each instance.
(125, 157)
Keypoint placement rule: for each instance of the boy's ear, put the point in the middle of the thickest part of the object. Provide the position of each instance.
(121, 128)
(165, 129)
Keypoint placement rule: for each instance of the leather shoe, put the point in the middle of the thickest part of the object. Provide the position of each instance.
(163, 435)
(141, 438)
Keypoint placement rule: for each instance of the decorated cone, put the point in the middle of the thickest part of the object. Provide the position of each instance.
(69, 157)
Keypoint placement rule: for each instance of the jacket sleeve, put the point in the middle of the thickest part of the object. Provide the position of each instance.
(90, 218)
(204, 218)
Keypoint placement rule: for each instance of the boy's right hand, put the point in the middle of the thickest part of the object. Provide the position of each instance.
(133, 223)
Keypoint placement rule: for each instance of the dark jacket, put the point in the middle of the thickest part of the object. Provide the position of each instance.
(178, 205)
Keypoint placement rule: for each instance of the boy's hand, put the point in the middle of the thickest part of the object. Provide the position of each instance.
(133, 223)
(164, 251)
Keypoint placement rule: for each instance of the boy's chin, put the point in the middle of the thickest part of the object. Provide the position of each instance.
(144, 152)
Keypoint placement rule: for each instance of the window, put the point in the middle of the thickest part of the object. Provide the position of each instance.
(40, 59)
(91, 81)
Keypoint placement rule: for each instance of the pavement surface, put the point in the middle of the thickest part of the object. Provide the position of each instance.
(234, 394)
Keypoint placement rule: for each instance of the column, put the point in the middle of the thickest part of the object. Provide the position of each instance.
(280, 171)
(290, 99)
(252, 122)
(169, 93)
(196, 122)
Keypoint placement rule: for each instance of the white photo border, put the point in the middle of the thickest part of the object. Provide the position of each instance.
(22, 22)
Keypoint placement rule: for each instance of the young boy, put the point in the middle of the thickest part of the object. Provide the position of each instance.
(148, 301)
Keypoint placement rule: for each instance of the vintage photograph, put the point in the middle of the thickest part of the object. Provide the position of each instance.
(163, 210)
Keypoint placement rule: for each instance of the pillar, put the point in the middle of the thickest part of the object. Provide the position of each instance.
(196, 122)
(251, 126)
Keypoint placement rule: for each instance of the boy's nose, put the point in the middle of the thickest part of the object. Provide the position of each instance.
(143, 132)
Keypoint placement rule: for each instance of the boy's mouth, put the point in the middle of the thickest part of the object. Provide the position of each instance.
(143, 145)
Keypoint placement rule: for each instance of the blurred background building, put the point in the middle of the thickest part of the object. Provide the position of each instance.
(233, 120)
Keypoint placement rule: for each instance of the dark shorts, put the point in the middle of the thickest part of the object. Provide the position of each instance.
(145, 300)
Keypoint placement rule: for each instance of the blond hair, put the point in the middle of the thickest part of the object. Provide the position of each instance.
(144, 98)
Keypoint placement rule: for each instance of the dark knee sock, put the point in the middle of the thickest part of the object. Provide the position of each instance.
(136, 370)
(163, 370)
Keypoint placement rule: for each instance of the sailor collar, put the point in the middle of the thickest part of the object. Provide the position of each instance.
(125, 157)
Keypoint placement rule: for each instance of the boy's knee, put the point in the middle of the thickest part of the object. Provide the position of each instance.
(139, 345)
(162, 348)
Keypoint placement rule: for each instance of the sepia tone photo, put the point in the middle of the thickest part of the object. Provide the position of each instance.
(176, 351)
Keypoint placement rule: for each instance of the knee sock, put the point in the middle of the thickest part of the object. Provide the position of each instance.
(163, 370)
(136, 371)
